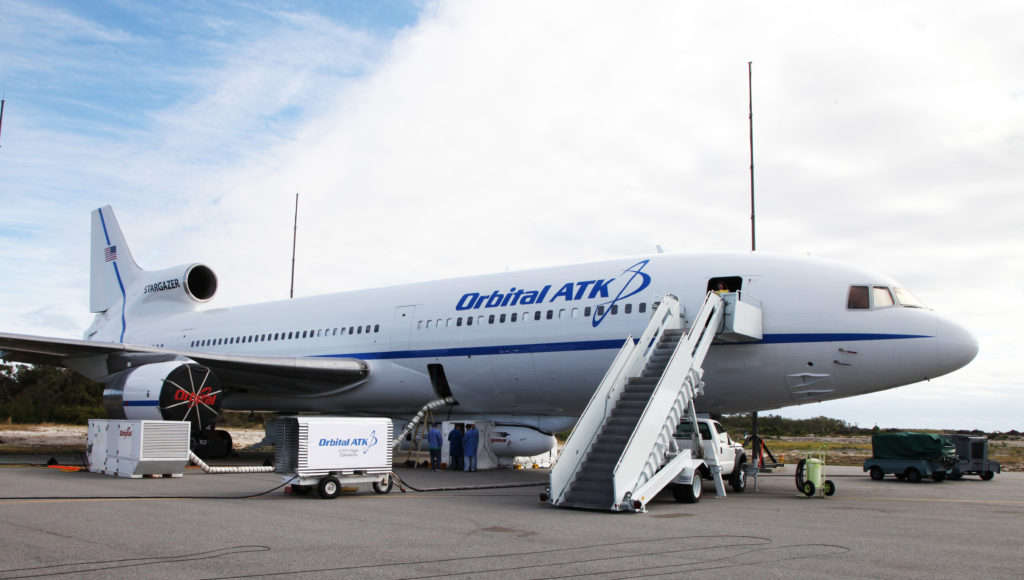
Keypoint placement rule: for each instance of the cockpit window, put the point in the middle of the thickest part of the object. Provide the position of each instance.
(877, 297)
(907, 299)
(881, 297)
(858, 299)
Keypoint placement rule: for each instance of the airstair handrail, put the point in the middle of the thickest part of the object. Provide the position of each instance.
(588, 426)
(631, 357)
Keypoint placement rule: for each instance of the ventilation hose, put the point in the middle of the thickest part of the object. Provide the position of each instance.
(419, 417)
(230, 468)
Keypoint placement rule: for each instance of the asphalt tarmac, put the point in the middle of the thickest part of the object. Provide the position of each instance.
(70, 523)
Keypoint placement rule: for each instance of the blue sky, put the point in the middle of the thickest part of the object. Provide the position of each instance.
(437, 139)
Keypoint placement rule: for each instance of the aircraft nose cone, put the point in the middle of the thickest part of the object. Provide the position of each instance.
(956, 346)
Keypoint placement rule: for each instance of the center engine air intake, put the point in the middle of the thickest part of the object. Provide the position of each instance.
(171, 391)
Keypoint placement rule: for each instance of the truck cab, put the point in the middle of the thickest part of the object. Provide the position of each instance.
(732, 458)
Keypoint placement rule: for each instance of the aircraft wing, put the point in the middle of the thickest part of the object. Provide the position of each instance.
(281, 375)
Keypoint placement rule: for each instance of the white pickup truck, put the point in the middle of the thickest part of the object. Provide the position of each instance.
(731, 456)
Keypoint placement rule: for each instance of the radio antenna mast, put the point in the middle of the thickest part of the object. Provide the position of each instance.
(750, 97)
(2, 101)
(295, 238)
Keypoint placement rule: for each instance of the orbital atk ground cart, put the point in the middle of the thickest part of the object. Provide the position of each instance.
(327, 452)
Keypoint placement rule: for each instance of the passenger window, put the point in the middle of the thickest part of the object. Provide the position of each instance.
(615, 308)
(858, 299)
(490, 319)
(536, 315)
(881, 297)
(586, 311)
(600, 310)
(642, 308)
(561, 313)
(575, 312)
(551, 314)
(501, 319)
(469, 321)
(376, 328)
(458, 321)
(515, 315)
(629, 309)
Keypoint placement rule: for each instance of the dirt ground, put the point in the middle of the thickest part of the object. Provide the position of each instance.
(27, 438)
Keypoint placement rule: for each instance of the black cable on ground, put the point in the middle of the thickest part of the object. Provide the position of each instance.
(402, 484)
(119, 497)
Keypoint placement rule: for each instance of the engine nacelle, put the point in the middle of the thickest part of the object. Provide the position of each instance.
(172, 290)
(169, 391)
(510, 441)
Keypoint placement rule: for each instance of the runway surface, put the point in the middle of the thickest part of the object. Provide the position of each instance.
(55, 522)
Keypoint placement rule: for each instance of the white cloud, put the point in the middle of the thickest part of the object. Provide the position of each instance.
(494, 135)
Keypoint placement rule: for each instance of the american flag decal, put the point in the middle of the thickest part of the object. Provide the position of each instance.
(110, 253)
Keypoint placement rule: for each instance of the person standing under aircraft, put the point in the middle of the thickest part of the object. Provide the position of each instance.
(455, 447)
(434, 443)
(470, 441)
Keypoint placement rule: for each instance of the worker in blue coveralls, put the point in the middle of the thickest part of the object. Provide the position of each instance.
(455, 448)
(470, 441)
(434, 443)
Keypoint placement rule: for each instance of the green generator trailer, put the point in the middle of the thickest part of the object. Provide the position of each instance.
(911, 456)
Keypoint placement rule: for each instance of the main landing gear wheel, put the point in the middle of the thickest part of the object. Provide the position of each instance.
(688, 493)
(377, 487)
(329, 487)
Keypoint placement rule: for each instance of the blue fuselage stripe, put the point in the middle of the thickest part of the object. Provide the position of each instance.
(587, 345)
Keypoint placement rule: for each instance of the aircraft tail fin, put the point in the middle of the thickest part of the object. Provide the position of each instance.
(113, 268)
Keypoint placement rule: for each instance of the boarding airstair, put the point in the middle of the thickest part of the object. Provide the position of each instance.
(622, 451)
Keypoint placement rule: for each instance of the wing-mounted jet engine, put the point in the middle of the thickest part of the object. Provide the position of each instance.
(169, 391)
(174, 390)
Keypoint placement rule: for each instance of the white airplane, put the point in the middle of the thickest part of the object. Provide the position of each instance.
(523, 349)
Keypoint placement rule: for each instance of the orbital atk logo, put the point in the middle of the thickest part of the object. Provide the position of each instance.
(609, 291)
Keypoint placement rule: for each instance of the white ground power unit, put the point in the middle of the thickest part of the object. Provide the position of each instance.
(136, 448)
(325, 452)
